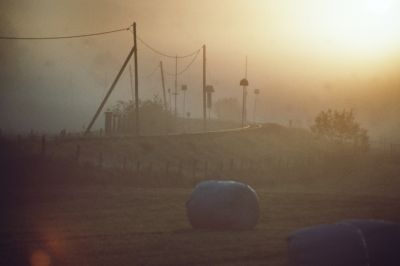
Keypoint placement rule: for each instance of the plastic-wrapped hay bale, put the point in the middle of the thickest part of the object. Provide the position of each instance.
(223, 205)
(347, 243)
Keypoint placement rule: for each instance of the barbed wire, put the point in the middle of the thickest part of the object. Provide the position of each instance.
(63, 37)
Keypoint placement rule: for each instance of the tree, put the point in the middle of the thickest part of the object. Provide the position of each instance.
(340, 127)
(153, 118)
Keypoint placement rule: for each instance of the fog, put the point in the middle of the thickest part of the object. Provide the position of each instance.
(299, 63)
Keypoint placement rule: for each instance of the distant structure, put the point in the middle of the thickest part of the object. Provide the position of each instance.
(209, 91)
(244, 83)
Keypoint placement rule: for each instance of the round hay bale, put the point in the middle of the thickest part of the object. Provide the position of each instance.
(223, 205)
(347, 243)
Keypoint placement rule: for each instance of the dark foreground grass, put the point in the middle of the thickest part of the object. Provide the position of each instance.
(55, 209)
(88, 217)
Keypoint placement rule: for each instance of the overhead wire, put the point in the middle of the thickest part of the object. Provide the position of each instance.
(187, 67)
(164, 54)
(63, 37)
(152, 72)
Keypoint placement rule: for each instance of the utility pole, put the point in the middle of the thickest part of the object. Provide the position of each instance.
(137, 128)
(163, 85)
(184, 89)
(244, 83)
(169, 100)
(204, 90)
(256, 93)
(131, 81)
(176, 86)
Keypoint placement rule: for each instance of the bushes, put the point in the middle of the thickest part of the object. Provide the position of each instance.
(340, 127)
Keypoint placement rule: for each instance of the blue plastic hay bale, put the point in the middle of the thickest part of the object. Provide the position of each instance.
(347, 243)
(223, 205)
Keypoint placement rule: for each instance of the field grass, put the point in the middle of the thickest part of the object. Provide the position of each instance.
(77, 214)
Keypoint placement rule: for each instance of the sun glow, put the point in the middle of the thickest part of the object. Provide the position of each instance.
(362, 26)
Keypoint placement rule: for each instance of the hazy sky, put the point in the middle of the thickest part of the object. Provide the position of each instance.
(304, 55)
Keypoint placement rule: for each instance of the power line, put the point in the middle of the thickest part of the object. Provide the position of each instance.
(62, 37)
(167, 55)
(187, 67)
(152, 72)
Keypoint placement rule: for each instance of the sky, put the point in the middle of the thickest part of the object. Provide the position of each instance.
(303, 55)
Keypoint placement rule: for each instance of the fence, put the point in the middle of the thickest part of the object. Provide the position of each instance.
(195, 169)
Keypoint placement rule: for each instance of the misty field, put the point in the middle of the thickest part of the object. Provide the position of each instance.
(86, 211)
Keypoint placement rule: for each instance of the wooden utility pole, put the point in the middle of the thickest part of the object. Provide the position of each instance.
(131, 81)
(244, 82)
(204, 90)
(184, 89)
(163, 86)
(176, 86)
(137, 128)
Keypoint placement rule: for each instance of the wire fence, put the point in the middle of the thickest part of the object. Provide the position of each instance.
(194, 169)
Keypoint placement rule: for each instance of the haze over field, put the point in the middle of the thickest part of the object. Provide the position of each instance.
(304, 56)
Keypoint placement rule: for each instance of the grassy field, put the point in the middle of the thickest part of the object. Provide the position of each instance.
(70, 213)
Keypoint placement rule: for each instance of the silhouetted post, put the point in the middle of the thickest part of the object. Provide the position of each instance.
(256, 93)
(135, 57)
(244, 83)
(169, 100)
(184, 89)
(204, 90)
(43, 145)
(78, 153)
(176, 87)
(163, 86)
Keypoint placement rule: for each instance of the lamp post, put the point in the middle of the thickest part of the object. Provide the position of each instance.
(244, 83)
(209, 91)
(256, 93)
(184, 89)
